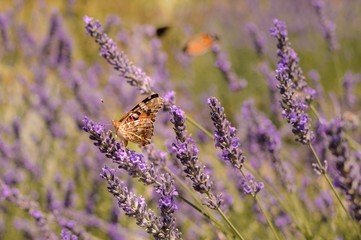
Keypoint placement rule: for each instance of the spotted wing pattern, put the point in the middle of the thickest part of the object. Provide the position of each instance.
(138, 124)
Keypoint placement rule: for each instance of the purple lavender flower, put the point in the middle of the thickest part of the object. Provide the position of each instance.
(67, 235)
(65, 49)
(324, 204)
(225, 135)
(250, 185)
(70, 226)
(69, 195)
(14, 196)
(167, 206)
(349, 83)
(296, 95)
(169, 99)
(348, 166)
(126, 159)
(226, 139)
(108, 49)
(155, 156)
(48, 51)
(261, 133)
(223, 64)
(136, 207)
(111, 21)
(258, 41)
(328, 27)
(47, 106)
(186, 152)
(263, 139)
(315, 78)
(288, 60)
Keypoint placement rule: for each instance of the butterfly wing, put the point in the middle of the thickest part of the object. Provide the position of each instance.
(138, 124)
(199, 44)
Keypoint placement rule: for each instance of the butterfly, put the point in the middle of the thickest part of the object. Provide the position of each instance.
(161, 31)
(199, 44)
(137, 125)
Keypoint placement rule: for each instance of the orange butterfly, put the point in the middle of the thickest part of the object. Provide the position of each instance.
(137, 125)
(199, 44)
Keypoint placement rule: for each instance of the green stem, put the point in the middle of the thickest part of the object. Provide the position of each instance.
(194, 123)
(324, 173)
(258, 202)
(202, 211)
(265, 214)
(230, 224)
(315, 112)
(284, 207)
(261, 208)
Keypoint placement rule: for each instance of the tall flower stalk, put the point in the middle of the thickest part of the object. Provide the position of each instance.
(226, 139)
(108, 50)
(160, 227)
(296, 96)
(186, 152)
(32, 208)
(295, 93)
(347, 165)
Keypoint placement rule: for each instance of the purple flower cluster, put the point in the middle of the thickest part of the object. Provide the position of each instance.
(261, 133)
(328, 27)
(347, 165)
(292, 86)
(108, 49)
(226, 139)
(187, 153)
(350, 82)
(133, 163)
(136, 207)
(250, 185)
(32, 208)
(67, 235)
(225, 135)
(257, 40)
(224, 65)
(263, 137)
(167, 206)
(57, 48)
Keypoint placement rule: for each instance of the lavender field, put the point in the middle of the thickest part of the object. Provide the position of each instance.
(257, 135)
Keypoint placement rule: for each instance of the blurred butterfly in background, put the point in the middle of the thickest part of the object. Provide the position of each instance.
(161, 31)
(137, 125)
(199, 44)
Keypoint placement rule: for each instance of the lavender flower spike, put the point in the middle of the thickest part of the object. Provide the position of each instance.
(186, 151)
(225, 135)
(347, 165)
(328, 27)
(167, 206)
(295, 93)
(126, 159)
(135, 207)
(224, 65)
(108, 49)
(14, 196)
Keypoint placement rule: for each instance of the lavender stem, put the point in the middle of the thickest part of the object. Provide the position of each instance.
(324, 173)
